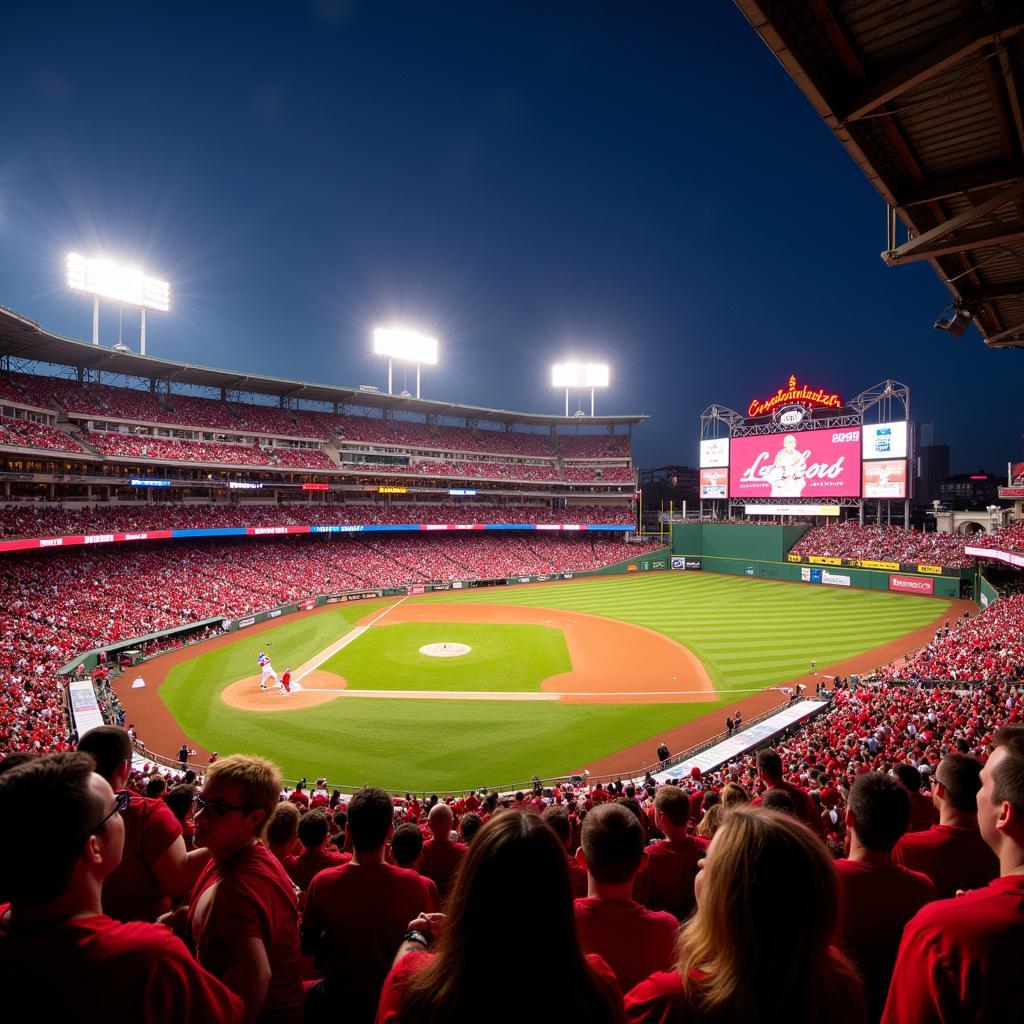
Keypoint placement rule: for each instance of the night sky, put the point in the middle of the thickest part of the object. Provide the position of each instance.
(636, 183)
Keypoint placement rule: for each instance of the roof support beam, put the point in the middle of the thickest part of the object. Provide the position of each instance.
(945, 54)
(990, 176)
(994, 291)
(1014, 333)
(941, 240)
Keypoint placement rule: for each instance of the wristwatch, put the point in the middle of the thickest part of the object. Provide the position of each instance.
(417, 937)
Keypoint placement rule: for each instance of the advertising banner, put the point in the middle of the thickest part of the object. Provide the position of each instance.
(835, 579)
(1000, 556)
(867, 563)
(929, 570)
(715, 453)
(885, 479)
(791, 510)
(824, 560)
(912, 584)
(714, 483)
(885, 440)
(807, 464)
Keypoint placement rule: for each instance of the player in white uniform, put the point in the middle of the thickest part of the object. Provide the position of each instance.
(267, 671)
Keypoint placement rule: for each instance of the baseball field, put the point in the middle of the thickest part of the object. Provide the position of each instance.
(488, 687)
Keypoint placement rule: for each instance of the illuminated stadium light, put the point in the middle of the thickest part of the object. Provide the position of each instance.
(582, 376)
(130, 286)
(407, 346)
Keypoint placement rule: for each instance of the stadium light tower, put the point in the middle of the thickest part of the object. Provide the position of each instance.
(579, 375)
(129, 286)
(407, 346)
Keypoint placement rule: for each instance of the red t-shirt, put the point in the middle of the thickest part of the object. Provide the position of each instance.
(357, 914)
(671, 869)
(134, 972)
(631, 939)
(960, 959)
(301, 867)
(923, 813)
(393, 994)
(254, 899)
(131, 892)
(875, 902)
(953, 858)
(804, 804)
(440, 862)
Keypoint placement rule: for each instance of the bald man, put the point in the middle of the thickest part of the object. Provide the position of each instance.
(441, 856)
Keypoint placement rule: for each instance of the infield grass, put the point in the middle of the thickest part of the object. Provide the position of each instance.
(749, 634)
(388, 657)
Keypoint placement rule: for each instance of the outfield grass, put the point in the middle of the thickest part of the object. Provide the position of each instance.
(749, 633)
(388, 657)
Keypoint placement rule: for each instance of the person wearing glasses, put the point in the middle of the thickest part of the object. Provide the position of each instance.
(243, 916)
(156, 866)
(61, 957)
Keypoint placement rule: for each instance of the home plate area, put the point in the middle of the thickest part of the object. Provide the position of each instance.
(445, 650)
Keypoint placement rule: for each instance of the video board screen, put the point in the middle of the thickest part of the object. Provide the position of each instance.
(714, 453)
(885, 440)
(886, 478)
(804, 464)
(714, 483)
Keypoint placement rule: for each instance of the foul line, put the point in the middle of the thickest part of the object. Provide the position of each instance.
(512, 694)
(350, 637)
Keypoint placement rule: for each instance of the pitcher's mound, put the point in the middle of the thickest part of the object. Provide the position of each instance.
(445, 650)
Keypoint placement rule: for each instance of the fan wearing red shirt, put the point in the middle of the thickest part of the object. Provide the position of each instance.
(923, 812)
(672, 865)
(557, 819)
(960, 959)
(491, 923)
(243, 916)
(314, 831)
(759, 946)
(356, 915)
(441, 856)
(769, 767)
(952, 854)
(155, 867)
(61, 957)
(877, 897)
(632, 940)
(407, 852)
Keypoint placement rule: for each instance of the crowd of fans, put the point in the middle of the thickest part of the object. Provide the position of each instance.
(147, 446)
(25, 433)
(882, 543)
(1008, 538)
(37, 520)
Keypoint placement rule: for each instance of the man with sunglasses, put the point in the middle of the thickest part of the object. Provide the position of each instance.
(61, 957)
(156, 866)
(243, 916)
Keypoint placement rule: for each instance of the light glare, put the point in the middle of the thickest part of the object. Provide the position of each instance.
(405, 345)
(579, 375)
(108, 280)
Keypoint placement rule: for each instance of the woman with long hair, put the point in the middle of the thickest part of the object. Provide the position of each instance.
(759, 947)
(510, 907)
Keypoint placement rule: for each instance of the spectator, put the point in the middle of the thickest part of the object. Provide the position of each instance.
(314, 833)
(282, 831)
(672, 864)
(181, 803)
(769, 767)
(733, 795)
(70, 839)
(952, 854)
(357, 913)
(490, 923)
(156, 866)
(877, 897)
(407, 852)
(663, 752)
(711, 822)
(243, 917)
(557, 819)
(441, 856)
(469, 824)
(960, 958)
(632, 940)
(778, 800)
(733, 964)
(923, 813)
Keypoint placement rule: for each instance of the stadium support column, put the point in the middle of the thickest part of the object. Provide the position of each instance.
(906, 513)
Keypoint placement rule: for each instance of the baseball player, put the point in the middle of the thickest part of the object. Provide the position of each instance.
(267, 670)
(286, 682)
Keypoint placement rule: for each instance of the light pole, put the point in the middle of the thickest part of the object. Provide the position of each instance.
(407, 346)
(580, 376)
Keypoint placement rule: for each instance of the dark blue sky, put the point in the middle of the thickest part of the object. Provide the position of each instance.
(638, 183)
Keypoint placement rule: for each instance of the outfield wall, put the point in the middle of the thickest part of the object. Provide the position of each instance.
(762, 551)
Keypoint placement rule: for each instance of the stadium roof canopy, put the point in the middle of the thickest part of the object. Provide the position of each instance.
(24, 339)
(926, 96)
